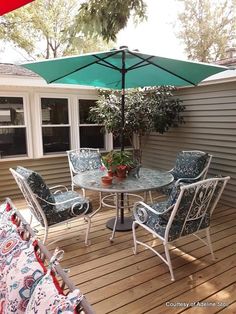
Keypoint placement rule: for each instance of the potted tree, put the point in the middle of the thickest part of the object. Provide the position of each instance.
(152, 109)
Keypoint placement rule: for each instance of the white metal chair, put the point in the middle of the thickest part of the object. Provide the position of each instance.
(51, 209)
(187, 211)
(81, 160)
(190, 166)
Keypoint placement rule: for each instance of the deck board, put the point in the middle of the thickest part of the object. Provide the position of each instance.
(115, 280)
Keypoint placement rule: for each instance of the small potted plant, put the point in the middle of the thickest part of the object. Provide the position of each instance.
(118, 162)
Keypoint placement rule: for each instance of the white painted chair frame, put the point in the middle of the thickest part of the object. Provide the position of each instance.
(201, 176)
(36, 210)
(164, 239)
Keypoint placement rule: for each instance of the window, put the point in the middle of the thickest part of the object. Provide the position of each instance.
(55, 125)
(91, 134)
(13, 140)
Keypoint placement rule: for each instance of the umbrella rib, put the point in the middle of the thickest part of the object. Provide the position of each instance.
(85, 66)
(139, 64)
(158, 66)
(107, 64)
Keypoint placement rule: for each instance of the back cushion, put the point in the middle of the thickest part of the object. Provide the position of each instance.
(189, 165)
(38, 187)
(85, 160)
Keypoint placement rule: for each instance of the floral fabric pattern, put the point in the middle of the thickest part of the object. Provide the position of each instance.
(188, 166)
(85, 160)
(58, 212)
(47, 299)
(22, 280)
(193, 212)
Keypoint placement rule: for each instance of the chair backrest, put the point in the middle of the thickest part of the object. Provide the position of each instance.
(194, 206)
(83, 159)
(191, 165)
(34, 190)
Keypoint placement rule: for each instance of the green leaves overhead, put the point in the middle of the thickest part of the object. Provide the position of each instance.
(108, 17)
(46, 29)
(207, 28)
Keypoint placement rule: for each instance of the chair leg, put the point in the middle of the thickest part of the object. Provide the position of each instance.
(210, 244)
(167, 253)
(87, 231)
(116, 219)
(45, 234)
(135, 248)
(150, 196)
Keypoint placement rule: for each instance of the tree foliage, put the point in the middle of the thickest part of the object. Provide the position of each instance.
(146, 110)
(207, 28)
(108, 17)
(45, 29)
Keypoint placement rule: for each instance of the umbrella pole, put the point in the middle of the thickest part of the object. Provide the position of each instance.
(122, 142)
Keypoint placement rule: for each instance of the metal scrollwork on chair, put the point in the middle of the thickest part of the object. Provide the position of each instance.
(48, 208)
(187, 211)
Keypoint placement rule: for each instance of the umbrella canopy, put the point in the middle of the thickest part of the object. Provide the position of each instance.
(122, 68)
(10, 5)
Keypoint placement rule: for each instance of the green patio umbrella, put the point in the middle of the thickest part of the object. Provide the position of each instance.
(120, 69)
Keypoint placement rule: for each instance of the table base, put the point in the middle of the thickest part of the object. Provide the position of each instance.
(125, 226)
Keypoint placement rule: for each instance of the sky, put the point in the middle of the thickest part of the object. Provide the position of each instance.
(157, 35)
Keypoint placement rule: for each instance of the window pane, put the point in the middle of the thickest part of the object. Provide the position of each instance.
(12, 142)
(55, 139)
(84, 107)
(116, 142)
(11, 111)
(54, 111)
(91, 136)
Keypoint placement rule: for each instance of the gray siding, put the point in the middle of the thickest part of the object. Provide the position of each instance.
(53, 170)
(210, 125)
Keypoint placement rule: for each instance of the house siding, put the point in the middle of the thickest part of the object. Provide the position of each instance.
(54, 170)
(210, 126)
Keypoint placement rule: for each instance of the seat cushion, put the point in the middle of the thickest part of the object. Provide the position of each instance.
(47, 298)
(63, 212)
(38, 187)
(189, 165)
(85, 160)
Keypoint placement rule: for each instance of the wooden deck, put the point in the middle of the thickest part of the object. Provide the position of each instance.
(116, 281)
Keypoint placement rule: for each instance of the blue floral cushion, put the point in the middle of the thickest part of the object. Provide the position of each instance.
(189, 165)
(54, 213)
(38, 187)
(63, 212)
(85, 160)
(195, 221)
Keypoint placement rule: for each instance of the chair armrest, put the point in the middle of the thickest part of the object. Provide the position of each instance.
(59, 188)
(141, 212)
(61, 203)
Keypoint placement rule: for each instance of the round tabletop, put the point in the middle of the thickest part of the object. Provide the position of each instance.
(149, 179)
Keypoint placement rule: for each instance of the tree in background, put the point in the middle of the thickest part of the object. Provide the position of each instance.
(45, 29)
(207, 28)
(107, 17)
(146, 110)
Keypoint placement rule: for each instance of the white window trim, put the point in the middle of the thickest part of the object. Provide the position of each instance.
(27, 125)
(37, 118)
(107, 137)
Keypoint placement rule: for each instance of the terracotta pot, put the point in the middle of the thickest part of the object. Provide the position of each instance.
(110, 173)
(106, 180)
(121, 173)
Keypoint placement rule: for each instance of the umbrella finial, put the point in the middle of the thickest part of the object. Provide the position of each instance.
(123, 47)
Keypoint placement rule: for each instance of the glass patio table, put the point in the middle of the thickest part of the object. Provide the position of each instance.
(149, 179)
